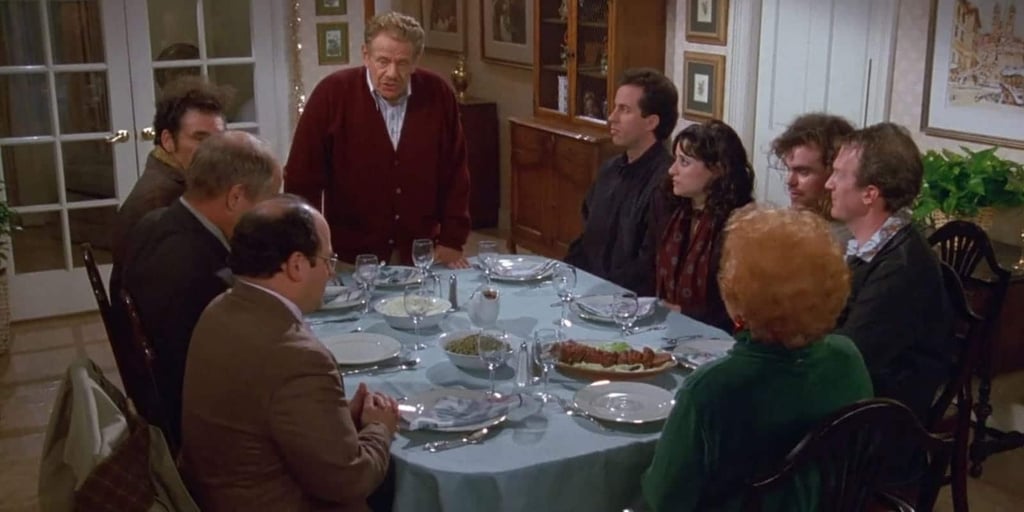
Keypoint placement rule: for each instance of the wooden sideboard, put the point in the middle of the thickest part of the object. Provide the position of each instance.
(1008, 331)
(553, 166)
(480, 126)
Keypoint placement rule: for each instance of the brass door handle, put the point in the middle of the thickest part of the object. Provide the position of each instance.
(148, 133)
(118, 137)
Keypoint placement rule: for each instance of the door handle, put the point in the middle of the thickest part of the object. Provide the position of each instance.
(118, 137)
(148, 133)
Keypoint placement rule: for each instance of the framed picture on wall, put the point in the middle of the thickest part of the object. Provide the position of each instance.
(332, 43)
(445, 24)
(974, 85)
(506, 28)
(331, 7)
(707, 21)
(704, 86)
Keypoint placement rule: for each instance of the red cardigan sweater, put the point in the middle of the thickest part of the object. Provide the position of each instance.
(374, 197)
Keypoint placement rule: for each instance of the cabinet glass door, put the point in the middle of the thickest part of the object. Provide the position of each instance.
(591, 60)
(555, 55)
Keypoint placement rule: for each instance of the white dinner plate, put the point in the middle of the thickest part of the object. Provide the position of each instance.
(411, 408)
(696, 352)
(598, 308)
(361, 347)
(625, 402)
(341, 297)
(392, 276)
(521, 268)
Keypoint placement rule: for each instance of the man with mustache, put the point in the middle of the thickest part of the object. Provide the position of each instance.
(380, 150)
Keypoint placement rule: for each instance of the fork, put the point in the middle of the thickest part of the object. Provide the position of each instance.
(572, 410)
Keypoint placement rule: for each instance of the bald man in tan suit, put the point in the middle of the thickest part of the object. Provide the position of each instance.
(266, 424)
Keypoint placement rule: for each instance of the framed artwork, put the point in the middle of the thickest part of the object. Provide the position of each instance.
(332, 43)
(707, 21)
(703, 86)
(331, 7)
(445, 24)
(974, 85)
(506, 30)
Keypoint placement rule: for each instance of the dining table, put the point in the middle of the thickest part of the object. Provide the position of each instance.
(546, 460)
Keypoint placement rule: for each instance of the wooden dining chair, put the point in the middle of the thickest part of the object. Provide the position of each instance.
(157, 413)
(964, 246)
(849, 450)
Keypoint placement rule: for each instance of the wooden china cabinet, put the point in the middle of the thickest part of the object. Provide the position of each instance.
(581, 48)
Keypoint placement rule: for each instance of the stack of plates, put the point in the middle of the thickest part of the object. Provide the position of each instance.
(625, 402)
(521, 268)
(598, 308)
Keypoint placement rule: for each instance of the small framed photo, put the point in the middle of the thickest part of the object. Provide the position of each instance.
(444, 22)
(707, 21)
(506, 28)
(704, 83)
(332, 43)
(331, 7)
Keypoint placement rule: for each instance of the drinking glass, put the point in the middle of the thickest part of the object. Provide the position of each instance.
(563, 279)
(624, 310)
(494, 350)
(543, 342)
(365, 275)
(423, 254)
(484, 306)
(487, 252)
(419, 299)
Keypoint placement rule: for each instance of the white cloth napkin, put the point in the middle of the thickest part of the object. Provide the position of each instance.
(396, 275)
(342, 295)
(453, 411)
(601, 305)
(521, 269)
(701, 351)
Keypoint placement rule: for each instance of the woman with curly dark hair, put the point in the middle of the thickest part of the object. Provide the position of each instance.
(710, 178)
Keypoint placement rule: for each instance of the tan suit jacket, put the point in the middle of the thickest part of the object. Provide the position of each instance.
(265, 421)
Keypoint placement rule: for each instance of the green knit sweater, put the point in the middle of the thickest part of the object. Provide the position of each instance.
(742, 414)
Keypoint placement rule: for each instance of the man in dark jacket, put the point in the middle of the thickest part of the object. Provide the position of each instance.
(897, 314)
(616, 209)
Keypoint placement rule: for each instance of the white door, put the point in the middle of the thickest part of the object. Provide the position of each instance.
(830, 56)
(65, 128)
(77, 73)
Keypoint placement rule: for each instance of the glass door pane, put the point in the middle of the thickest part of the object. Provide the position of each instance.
(592, 60)
(553, 92)
(61, 175)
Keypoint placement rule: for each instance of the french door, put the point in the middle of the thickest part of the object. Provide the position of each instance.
(78, 83)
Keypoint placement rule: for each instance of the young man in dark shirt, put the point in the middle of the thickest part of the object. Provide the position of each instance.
(617, 207)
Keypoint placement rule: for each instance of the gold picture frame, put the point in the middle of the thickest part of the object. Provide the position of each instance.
(707, 21)
(331, 7)
(444, 22)
(506, 32)
(332, 43)
(704, 85)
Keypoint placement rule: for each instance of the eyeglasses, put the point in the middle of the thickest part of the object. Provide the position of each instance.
(332, 261)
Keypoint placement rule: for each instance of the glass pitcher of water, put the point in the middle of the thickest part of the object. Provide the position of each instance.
(483, 306)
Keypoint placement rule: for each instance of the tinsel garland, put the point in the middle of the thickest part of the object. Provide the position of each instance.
(298, 92)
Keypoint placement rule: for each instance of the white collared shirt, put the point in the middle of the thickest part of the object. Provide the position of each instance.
(394, 115)
(284, 300)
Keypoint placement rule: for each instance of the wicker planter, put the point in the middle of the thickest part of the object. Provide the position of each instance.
(5, 314)
(983, 219)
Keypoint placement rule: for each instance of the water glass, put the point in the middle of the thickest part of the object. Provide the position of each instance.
(487, 252)
(365, 275)
(624, 310)
(563, 279)
(418, 300)
(423, 254)
(543, 342)
(494, 350)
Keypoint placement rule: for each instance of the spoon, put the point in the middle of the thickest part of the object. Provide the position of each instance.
(474, 438)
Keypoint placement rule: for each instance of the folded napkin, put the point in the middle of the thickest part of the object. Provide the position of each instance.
(396, 275)
(453, 411)
(701, 351)
(340, 295)
(601, 305)
(521, 269)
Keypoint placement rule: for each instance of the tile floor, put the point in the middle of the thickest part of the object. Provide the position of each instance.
(41, 350)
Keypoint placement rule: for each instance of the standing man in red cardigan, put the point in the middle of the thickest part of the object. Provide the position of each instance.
(381, 148)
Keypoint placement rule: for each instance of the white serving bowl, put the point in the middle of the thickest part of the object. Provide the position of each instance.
(461, 360)
(393, 311)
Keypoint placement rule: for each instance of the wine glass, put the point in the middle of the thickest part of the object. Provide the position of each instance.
(487, 252)
(624, 310)
(543, 342)
(419, 299)
(365, 275)
(564, 281)
(423, 254)
(494, 350)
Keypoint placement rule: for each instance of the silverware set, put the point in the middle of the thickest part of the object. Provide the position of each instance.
(475, 437)
(378, 369)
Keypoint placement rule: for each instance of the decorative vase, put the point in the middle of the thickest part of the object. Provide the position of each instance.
(460, 78)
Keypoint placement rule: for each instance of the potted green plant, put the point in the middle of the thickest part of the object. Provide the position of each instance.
(967, 185)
